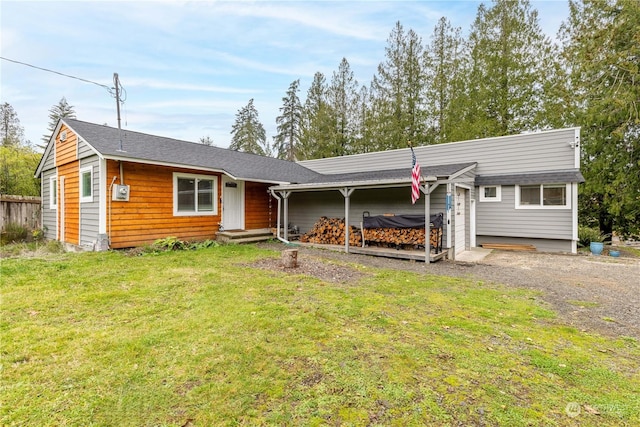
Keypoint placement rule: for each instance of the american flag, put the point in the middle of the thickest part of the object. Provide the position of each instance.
(415, 178)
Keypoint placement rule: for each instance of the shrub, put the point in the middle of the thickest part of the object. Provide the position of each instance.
(170, 243)
(586, 235)
(14, 233)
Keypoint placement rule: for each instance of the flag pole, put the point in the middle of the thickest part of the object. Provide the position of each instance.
(427, 205)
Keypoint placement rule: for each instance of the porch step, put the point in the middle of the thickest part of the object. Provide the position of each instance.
(244, 236)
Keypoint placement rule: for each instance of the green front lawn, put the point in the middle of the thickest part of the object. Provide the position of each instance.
(202, 338)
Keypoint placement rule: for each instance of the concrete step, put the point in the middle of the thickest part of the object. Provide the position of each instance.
(244, 236)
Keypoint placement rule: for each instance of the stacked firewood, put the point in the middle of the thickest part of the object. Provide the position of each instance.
(400, 236)
(330, 231)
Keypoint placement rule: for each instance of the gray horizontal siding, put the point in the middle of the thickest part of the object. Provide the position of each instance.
(503, 219)
(89, 212)
(84, 150)
(306, 208)
(49, 216)
(49, 162)
(533, 152)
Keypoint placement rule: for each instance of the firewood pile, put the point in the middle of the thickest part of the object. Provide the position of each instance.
(393, 237)
(330, 231)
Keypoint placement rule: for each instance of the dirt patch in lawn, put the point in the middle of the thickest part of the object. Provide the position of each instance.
(325, 269)
(591, 293)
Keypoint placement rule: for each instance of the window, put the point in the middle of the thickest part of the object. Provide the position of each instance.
(195, 194)
(86, 184)
(547, 196)
(490, 193)
(53, 192)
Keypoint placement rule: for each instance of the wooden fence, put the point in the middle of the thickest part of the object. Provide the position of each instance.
(22, 210)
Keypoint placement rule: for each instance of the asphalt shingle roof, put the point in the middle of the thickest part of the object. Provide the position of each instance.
(157, 149)
(531, 178)
(440, 171)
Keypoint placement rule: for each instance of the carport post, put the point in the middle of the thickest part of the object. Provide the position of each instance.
(346, 192)
(285, 198)
(427, 224)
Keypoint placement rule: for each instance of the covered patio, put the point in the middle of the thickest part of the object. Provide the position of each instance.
(443, 178)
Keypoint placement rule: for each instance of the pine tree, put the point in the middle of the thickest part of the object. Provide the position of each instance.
(59, 111)
(11, 130)
(509, 57)
(206, 140)
(248, 133)
(601, 48)
(444, 80)
(343, 99)
(289, 124)
(318, 130)
(399, 87)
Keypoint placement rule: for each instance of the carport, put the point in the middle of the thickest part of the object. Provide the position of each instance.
(346, 184)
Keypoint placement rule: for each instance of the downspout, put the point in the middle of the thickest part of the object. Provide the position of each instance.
(109, 198)
(273, 193)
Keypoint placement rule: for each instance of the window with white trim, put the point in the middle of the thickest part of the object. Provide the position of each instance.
(53, 192)
(195, 194)
(543, 196)
(490, 193)
(86, 184)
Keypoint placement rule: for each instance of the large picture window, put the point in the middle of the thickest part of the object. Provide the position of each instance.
(195, 194)
(86, 184)
(547, 196)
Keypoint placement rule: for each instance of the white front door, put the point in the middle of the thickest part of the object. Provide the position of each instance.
(460, 209)
(232, 204)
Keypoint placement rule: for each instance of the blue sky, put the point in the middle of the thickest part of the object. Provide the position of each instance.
(188, 67)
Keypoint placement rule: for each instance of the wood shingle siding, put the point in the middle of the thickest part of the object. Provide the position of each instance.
(148, 215)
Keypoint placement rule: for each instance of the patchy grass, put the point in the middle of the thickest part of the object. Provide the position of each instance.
(199, 338)
(583, 304)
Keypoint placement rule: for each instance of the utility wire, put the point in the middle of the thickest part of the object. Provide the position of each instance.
(110, 90)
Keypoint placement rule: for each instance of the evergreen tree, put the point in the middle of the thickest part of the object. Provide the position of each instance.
(248, 133)
(444, 80)
(400, 89)
(11, 130)
(289, 124)
(59, 111)
(206, 140)
(508, 63)
(318, 130)
(601, 48)
(343, 99)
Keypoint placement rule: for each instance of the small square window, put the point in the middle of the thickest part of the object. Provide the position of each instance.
(490, 193)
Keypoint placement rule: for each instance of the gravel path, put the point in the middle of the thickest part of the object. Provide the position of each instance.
(592, 293)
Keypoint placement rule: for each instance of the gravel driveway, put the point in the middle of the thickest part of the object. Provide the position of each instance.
(592, 293)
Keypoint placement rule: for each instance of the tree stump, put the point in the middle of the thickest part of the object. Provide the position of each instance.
(290, 258)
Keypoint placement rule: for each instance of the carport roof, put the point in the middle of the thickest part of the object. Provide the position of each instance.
(378, 178)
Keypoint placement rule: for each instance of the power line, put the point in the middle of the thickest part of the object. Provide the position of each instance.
(110, 90)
